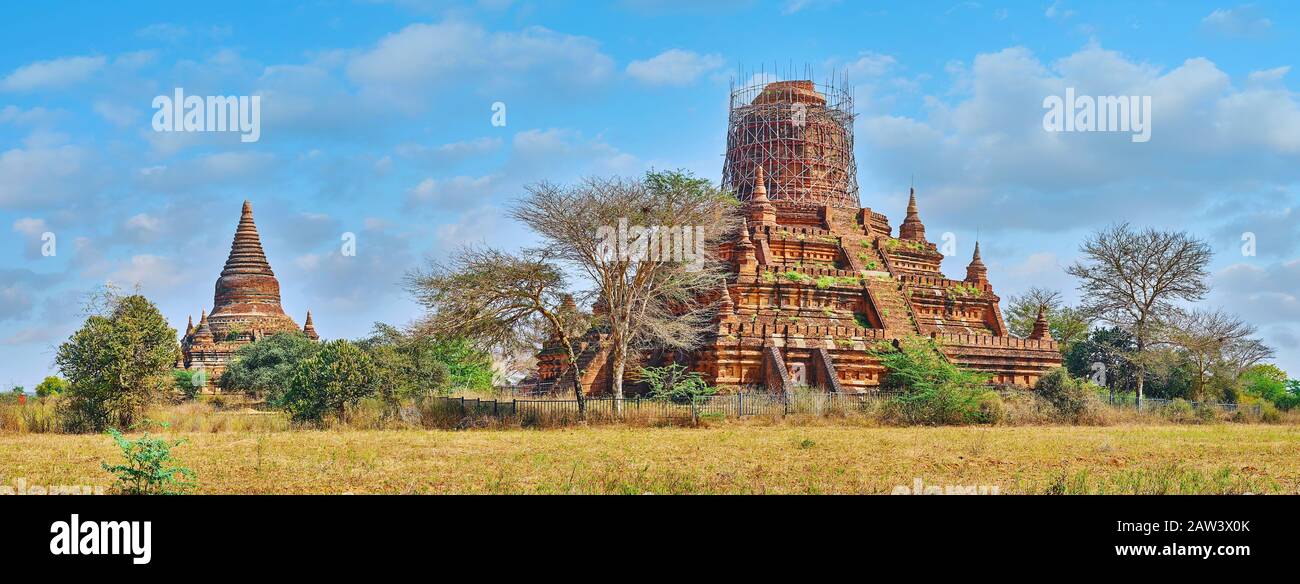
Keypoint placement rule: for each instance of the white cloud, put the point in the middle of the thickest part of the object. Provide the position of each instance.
(43, 175)
(984, 157)
(424, 60)
(673, 67)
(869, 64)
(163, 31)
(1242, 21)
(117, 114)
(52, 74)
(450, 195)
(151, 272)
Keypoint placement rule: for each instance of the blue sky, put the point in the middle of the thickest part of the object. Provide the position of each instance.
(376, 120)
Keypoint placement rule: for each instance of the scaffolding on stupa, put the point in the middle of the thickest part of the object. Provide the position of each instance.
(800, 132)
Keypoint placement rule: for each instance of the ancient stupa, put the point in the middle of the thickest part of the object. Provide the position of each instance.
(819, 280)
(245, 307)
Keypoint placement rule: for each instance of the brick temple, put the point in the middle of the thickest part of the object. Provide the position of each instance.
(245, 308)
(820, 280)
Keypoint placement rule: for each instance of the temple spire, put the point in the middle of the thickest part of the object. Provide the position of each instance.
(189, 326)
(760, 185)
(976, 272)
(247, 285)
(309, 329)
(912, 229)
(761, 210)
(203, 332)
(1042, 329)
(246, 255)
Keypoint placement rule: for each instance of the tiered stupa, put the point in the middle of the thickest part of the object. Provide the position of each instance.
(245, 307)
(819, 280)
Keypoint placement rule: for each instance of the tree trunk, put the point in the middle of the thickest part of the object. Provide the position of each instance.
(577, 382)
(616, 375)
(577, 394)
(1141, 370)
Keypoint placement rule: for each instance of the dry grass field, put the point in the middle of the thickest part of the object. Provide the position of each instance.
(725, 458)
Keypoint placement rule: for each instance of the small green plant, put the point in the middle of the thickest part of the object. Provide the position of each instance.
(964, 291)
(862, 320)
(675, 384)
(793, 276)
(872, 265)
(825, 282)
(149, 467)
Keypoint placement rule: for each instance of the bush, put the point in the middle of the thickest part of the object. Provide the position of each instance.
(930, 389)
(264, 368)
(991, 408)
(340, 374)
(1069, 395)
(117, 364)
(1179, 410)
(149, 466)
(675, 384)
(1269, 413)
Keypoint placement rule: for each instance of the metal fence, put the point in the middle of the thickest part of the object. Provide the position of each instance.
(725, 406)
(1157, 404)
(552, 410)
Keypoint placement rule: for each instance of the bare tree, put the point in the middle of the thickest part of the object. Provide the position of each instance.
(1213, 340)
(647, 246)
(501, 302)
(1133, 279)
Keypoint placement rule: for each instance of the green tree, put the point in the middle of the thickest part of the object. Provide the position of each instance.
(1267, 381)
(264, 368)
(1068, 324)
(928, 388)
(117, 363)
(186, 383)
(338, 375)
(51, 386)
(468, 367)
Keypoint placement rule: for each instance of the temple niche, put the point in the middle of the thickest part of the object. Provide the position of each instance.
(245, 307)
(818, 279)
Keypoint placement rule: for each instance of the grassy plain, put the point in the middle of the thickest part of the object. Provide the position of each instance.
(734, 457)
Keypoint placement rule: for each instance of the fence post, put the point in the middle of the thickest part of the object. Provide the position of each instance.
(462, 406)
(495, 412)
(740, 398)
